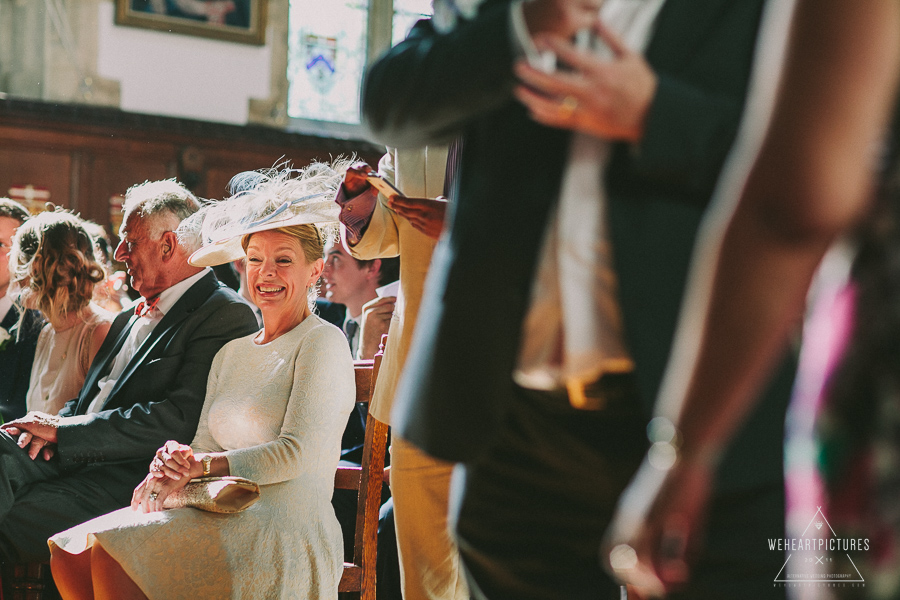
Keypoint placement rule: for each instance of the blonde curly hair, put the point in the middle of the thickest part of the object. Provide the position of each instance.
(55, 264)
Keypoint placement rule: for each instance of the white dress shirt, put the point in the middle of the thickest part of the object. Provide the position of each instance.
(573, 328)
(140, 329)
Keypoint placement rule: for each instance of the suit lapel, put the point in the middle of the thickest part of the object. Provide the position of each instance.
(102, 363)
(12, 315)
(192, 299)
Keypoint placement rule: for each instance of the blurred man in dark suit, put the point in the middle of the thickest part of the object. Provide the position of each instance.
(18, 340)
(580, 192)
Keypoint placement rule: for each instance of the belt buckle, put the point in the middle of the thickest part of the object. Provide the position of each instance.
(579, 398)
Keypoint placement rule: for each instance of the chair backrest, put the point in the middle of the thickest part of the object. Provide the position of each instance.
(359, 576)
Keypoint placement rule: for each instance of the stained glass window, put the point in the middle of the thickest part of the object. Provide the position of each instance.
(327, 54)
(326, 57)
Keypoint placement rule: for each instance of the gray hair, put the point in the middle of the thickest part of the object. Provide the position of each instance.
(153, 200)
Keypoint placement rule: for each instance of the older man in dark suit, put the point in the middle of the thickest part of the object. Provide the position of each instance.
(18, 340)
(579, 197)
(146, 385)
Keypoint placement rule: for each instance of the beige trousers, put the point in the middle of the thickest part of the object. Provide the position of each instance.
(429, 560)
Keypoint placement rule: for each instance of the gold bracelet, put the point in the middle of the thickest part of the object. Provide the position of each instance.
(206, 461)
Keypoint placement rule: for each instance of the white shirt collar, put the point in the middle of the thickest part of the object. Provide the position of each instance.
(347, 317)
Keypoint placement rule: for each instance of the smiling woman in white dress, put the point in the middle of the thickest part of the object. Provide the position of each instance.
(276, 406)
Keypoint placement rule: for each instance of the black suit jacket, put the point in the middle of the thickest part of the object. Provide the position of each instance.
(161, 392)
(354, 437)
(431, 87)
(15, 362)
(332, 312)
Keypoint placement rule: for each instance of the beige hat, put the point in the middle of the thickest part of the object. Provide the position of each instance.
(267, 199)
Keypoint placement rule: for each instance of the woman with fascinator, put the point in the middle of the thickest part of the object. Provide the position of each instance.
(276, 405)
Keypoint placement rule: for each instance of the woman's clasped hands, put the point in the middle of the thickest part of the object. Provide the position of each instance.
(170, 470)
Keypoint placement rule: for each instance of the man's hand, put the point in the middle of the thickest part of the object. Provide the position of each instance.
(660, 516)
(355, 181)
(36, 432)
(426, 215)
(35, 445)
(607, 98)
(375, 321)
(560, 17)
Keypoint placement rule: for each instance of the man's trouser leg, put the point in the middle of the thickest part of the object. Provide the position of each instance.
(45, 508)
(534, 508)
(429, 559)
(18, 472)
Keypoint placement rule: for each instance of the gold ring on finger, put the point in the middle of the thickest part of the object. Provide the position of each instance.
(154, 496)
(568, 107)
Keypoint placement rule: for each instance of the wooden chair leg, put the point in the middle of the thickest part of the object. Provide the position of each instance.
(27, 581)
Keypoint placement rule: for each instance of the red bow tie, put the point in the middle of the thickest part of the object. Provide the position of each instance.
(143, 308)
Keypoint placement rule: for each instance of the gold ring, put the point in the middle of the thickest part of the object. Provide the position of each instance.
(154, 496)
(568, 107)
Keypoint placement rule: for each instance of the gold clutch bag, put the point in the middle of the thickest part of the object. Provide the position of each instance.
(215, 494)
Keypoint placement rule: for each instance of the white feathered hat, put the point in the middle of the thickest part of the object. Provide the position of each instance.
(262, 200)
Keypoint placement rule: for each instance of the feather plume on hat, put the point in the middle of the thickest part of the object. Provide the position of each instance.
(262, 200)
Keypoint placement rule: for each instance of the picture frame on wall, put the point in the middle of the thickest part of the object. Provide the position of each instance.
(241, 21)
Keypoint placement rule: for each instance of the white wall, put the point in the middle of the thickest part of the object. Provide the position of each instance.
(182, 76)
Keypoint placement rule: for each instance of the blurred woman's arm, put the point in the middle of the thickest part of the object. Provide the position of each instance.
(811, 179)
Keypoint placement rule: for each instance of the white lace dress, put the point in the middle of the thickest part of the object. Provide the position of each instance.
(62, 360)
(278, 411)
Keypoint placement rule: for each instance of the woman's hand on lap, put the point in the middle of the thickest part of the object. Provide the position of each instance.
(173, 461)
(153, 491)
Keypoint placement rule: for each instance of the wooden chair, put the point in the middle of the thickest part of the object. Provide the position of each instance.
(359, 576)
(27, 581)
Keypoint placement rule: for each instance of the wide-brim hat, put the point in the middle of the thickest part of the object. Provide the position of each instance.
(265, 200)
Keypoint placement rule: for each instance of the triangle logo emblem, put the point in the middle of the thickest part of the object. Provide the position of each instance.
(819, 556)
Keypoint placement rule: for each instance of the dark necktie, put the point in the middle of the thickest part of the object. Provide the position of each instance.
(350, 329)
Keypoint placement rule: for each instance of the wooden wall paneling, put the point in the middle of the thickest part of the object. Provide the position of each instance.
(221, 165)
(217, 179)
(78, 194)
(67, 138)
(21, 164)
(88, 154)
(107, 175)
(90, 205)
